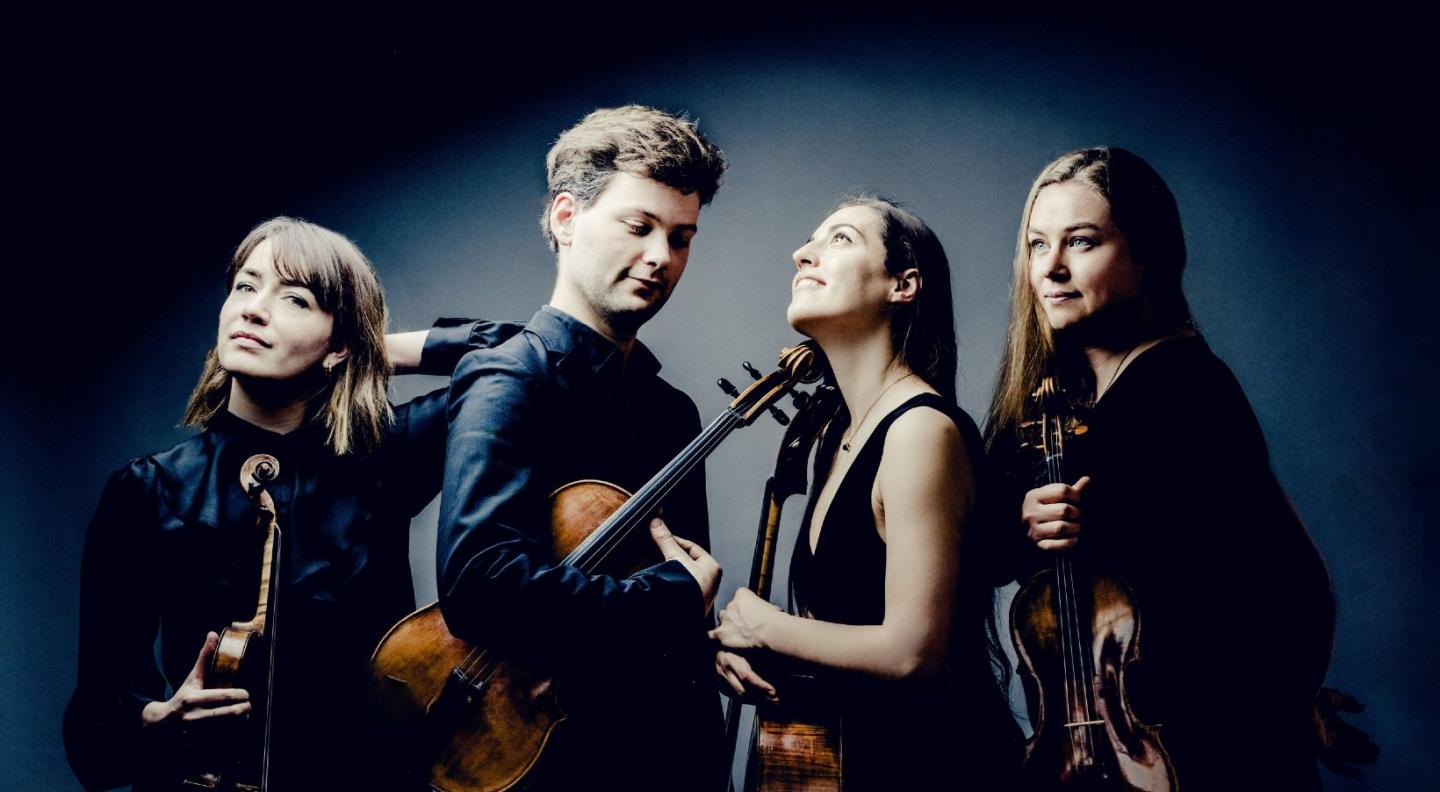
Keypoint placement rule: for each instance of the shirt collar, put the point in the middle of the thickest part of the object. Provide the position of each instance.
(579, 344)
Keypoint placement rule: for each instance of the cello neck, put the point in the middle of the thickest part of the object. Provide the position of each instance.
(646, 499)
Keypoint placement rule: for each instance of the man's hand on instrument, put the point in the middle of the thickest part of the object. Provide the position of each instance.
(193, 709)
(741, 620)
(1052, 514)
(700, 564)
(741, 677)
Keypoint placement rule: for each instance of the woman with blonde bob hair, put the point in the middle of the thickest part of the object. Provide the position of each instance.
(888, 597)
(1170, 486)
(299, 371)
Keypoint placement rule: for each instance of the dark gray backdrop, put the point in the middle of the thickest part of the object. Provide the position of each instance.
(144, 157)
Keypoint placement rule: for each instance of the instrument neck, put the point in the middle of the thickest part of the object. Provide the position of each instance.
(643, 503)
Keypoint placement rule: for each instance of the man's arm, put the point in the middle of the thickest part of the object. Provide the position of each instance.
(497, 579)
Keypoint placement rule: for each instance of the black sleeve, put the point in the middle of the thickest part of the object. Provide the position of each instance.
(415, 446)
(118, 625)
(1211, 535)
(496, 578)
(449, 340)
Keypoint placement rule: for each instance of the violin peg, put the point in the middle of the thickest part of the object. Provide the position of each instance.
(751, 370)
(779, 416)
(800, 399)
(730, 389)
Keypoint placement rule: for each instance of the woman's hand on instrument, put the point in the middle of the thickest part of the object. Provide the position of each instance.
(193, 709)
(1052, 514)
(742, 620)
(700, 564)
(742, 679)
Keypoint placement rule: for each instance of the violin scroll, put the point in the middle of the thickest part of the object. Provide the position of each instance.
(257, 471)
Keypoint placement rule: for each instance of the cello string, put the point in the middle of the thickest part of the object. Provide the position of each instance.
(649, 499)
(481, 668)
(637, 507)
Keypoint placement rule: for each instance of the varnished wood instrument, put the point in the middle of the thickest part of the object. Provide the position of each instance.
(245, 658)
(1076, 630)
(487, 719)
(790, 748)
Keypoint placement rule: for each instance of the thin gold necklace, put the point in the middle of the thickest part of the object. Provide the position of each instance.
(845, 441)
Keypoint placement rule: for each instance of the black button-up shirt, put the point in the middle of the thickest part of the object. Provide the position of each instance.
(174, 551)
(555, 404)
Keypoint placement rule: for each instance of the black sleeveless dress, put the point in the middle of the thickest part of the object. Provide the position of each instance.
(958, 734)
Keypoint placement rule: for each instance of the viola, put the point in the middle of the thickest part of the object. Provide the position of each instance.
(486, 720)
(245, 658)
(1076, 629)
(797, 745)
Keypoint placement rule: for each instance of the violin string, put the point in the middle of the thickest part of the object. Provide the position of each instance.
(1082, 647)
(1061, 609)
(1089, 667)
(1071, 643)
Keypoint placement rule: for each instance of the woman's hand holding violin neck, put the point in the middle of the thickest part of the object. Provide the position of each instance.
(700, 564)
(1052, 514)
(194, 709)
(741, 678)
(742, 620)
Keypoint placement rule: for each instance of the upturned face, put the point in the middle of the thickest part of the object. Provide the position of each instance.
(623, 254)
(1080, 265)
(272, 329)
(840, 278)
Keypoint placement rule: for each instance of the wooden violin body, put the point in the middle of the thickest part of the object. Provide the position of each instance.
(490, 738)
(1076, 631)
(1106, 747)
(483, 720)
(238, 759)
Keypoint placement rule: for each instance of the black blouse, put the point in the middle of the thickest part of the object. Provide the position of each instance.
(958, 735)
(1235, 601)
(173, 552)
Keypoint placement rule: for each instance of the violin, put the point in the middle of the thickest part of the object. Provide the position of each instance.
(795, 746)
(245, 657)
(485, 720)
(1076, 630)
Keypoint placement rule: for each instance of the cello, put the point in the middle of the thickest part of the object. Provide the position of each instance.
(1076, 630)
(245, 657)
(486, 720)
(797, 746)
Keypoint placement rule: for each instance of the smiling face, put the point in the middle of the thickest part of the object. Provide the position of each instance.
(840, 274)
(621, 256)
(1080, 265)
(271, 329)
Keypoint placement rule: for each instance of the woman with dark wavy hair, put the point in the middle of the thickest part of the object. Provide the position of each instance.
(1172, 487)
(888, 599)
(299, 371)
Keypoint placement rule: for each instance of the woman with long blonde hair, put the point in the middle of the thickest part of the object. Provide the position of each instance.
(1171, 488)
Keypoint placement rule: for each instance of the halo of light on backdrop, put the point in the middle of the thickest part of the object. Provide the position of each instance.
(145, 158)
